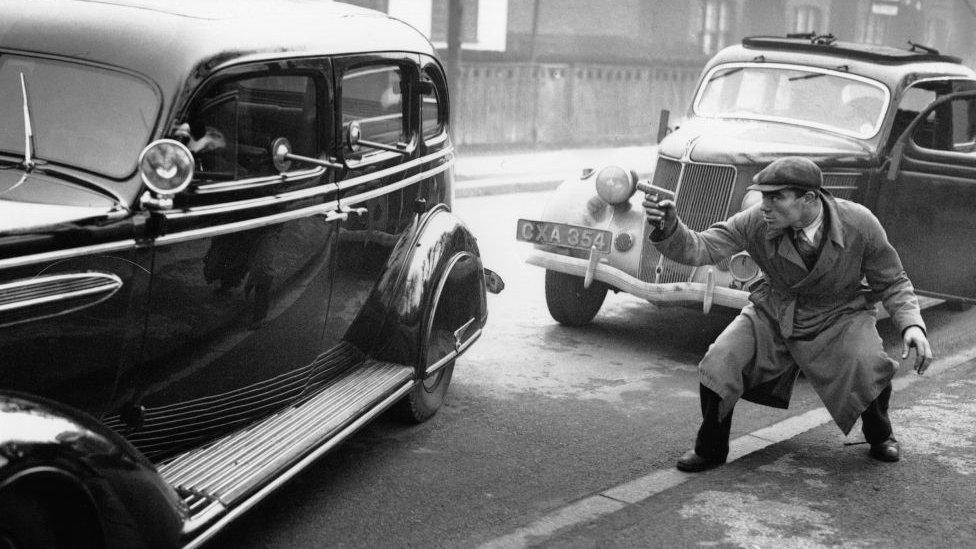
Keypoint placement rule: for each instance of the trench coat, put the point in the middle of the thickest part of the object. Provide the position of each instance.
(820, 321)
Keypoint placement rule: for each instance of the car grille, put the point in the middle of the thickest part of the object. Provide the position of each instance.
(704, 192)
(842, 185)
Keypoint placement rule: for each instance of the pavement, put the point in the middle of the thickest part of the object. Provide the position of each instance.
(796, 484)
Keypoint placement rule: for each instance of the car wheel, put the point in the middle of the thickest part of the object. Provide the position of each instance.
(425, 398)
(26, 523)
(569, 302)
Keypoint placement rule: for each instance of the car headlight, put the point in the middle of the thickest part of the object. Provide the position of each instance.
(166, 166)
(615, 185)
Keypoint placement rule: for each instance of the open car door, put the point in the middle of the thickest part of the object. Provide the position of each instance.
(928, 204)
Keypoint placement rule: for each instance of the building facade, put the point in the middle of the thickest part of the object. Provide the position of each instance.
(549, 72)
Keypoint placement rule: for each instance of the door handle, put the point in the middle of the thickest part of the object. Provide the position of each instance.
(342, 213)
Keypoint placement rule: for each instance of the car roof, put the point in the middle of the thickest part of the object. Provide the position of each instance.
(892, 66)
(168, 40)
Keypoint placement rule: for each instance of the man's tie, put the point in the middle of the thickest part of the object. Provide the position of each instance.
(808, 251)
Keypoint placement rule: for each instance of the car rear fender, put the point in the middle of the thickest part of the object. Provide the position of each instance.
(430, 304)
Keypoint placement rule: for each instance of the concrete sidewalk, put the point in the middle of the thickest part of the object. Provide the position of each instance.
(487, 173)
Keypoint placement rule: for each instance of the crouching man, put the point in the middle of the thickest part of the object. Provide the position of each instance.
(827, 262)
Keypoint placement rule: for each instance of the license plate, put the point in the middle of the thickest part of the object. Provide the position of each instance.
(561, 234)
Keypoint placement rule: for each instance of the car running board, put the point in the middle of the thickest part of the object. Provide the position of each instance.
(227, 472)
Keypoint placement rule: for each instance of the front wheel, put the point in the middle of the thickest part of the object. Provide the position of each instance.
(34, 517)
(569, 302)
(425, 398)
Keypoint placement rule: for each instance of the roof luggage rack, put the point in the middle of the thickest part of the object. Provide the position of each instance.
(812, 42)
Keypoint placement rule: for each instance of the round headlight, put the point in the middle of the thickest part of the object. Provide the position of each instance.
(166, 166)
(615, 185)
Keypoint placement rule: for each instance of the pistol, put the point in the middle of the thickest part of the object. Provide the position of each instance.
(661, 192)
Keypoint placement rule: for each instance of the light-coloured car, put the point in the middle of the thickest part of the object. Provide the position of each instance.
(892, 129)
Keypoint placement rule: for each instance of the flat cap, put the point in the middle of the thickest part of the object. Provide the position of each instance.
(789, 171)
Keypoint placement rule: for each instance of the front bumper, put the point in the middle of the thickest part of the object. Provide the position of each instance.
(684, 293)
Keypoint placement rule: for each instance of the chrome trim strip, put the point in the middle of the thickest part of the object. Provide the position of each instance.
(440, 363)
(369, 195)
(110, 283)
(363, 179)
(201, 518)
(257, 182)
(307, 193)
(185, 236)
(433, 368)
(228, 207)
(68, 254)
(298, 467)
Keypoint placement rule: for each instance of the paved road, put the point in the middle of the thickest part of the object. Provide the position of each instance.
(539, 417)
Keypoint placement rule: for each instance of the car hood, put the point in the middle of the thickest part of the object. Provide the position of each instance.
(741, 142)
(33, 201)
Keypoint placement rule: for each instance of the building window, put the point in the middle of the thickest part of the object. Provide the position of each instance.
(807, 19)
(716, 22)
(876, 31)
(936, 33)
(469, 20)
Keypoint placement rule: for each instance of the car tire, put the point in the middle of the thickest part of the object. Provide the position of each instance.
(423, 401)
(27, 523)
(569, 302)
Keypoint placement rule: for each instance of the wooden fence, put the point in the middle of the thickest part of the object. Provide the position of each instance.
(567, 104)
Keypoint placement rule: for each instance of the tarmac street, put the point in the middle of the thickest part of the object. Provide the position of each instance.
(820, 490)
(552, 436)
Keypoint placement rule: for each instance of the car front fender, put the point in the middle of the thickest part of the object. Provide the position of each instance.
(40, 438)
(576, 202)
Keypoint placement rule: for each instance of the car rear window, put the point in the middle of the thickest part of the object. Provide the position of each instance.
(84, 116)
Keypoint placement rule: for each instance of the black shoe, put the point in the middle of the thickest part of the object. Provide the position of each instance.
(691, 462)
(886, 450)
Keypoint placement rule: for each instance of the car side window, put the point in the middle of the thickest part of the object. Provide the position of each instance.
(372, 98)
(912, 103)
(963, 125)
(232, 126)
(949, 127)
(430, 112)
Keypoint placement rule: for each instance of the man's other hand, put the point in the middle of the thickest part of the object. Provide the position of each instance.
(660, 214)
(915, 338)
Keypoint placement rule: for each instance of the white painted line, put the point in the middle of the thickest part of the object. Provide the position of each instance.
(789, 428)
(637, 490)
(577, 513)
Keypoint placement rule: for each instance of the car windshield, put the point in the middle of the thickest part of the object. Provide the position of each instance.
(83, 116)
(825, 99)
